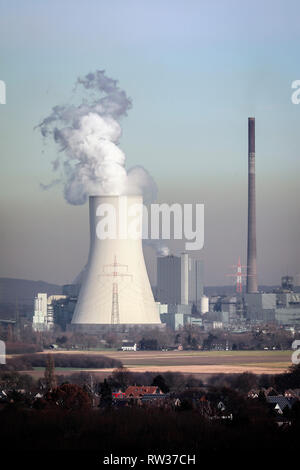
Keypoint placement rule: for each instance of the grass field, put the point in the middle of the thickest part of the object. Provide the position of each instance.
(204, 363)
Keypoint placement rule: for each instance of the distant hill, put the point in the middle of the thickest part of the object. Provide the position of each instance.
(24, 291)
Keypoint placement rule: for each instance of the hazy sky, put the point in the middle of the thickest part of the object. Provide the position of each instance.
(195, 71)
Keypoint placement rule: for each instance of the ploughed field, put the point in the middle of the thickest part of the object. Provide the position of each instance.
(190, 362)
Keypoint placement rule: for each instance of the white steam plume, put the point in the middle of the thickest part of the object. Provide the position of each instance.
(164, 251)
(87, 136)
(158, 246)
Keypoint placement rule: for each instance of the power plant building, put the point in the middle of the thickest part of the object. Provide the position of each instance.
(169, 279)
(43, 317)
(260, 307)
(179, 280)
(204, 304)
(39, 321)
(191, 280)
(178, 316)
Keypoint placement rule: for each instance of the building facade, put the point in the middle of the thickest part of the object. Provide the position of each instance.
(192, 281)
(43, 316)
(180, 280)
(169, 279)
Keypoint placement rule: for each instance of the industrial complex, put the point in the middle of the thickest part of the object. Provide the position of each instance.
(115, 291)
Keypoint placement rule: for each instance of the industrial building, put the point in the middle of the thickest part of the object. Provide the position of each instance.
(43, 316)
(280, 308)
(169, 279)
(287, 310)
(260, 307)
(192, 274)
(178, 316)
(116, 291)
(39, 321)
(63, 311)
(180, 290)
(180, 280)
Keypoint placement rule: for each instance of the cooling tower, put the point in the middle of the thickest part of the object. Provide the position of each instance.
(251, 245)
(115, 288)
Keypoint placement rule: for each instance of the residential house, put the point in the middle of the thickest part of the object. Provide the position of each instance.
(134, 391)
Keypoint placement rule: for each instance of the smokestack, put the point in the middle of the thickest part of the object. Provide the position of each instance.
(184, 279)
(251, 245)
(115, 288)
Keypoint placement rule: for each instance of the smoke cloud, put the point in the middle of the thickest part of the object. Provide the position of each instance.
(158, 246)
(163, 251)
(87, 136)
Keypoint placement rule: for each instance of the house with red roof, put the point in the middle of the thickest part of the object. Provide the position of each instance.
(134, 391)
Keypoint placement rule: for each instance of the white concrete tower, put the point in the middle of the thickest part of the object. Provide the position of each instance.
(115, 288)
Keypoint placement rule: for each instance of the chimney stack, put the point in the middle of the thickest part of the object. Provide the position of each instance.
(251, 245)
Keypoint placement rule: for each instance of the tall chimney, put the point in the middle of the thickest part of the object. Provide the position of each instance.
(251, 246)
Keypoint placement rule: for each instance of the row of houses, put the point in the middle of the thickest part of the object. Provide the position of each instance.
(279, 404)
(270, 391)
(196, 398)
(134, 391)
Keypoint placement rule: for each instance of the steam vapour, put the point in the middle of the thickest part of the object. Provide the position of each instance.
(163, 250)
(87, 135)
